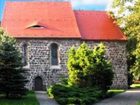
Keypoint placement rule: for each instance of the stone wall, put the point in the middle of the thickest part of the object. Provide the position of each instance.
(38, 52)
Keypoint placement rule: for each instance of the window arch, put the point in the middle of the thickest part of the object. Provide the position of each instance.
(24, 54)
(54, 54)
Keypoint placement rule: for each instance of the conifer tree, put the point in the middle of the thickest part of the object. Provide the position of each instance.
(12, 80)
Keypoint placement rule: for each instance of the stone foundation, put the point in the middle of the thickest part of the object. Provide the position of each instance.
(38, 57)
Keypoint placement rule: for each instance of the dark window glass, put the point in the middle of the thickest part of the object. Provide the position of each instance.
(54, 54)
(37, 26)
(24, 54)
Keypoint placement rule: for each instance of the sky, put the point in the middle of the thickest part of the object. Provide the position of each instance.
(1, 7)
(77, 4)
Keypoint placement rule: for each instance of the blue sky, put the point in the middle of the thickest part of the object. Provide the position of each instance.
(90, 4)
(77, 4)
(1, 7)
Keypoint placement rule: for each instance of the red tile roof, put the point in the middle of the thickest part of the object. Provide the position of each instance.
(97, 25)
(57, 20)
(57, 17)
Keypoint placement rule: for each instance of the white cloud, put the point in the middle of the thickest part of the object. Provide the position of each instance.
(89, 2)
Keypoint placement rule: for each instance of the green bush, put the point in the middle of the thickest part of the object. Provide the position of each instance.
(87, 67)
(67, 95)
(90, 76)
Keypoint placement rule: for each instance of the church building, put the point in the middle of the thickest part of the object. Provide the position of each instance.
(46, 30)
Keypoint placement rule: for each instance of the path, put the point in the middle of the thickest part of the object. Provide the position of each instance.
(43, 98)
(130, 97)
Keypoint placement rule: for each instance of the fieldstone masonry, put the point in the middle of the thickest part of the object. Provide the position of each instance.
(38, 57)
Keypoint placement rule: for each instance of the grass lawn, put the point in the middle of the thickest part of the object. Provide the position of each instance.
(116, 91)
(135, 86)
(30, 99)
(113, 92)
(138, 103)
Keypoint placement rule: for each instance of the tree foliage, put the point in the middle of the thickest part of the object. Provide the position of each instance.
(87, 67)
(12, 81)
(133, 30)
(129, 20)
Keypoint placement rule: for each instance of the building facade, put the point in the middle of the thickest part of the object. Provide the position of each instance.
(45, 31)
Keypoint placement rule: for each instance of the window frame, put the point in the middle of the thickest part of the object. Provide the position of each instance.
(57, 50)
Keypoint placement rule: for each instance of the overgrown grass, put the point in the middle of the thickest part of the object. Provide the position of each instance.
(30, 99)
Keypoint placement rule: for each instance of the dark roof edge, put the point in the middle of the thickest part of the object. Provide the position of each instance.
(44, 38)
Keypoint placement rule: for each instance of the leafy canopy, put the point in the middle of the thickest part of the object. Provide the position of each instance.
(129, 20)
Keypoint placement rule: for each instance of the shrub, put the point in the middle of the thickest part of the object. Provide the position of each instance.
(67, 95)
(90, 76)
(88, 67)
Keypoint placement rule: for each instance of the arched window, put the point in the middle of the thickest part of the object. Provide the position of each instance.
(54, 54)
(24, 54)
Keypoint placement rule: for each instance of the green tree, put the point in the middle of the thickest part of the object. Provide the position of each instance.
(132, 30)
(129, 21)
(119, 10)
(88, 67)
(12, 81)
